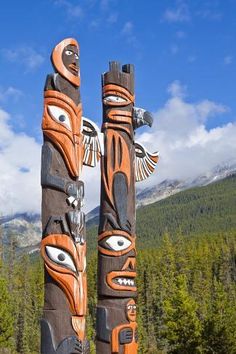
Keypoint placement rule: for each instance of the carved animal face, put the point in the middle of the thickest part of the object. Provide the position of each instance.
(65, 262)
(62, 125)
(118, 103)
(117, 257)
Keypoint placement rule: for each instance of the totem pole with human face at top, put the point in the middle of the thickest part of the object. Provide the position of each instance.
(70, 141)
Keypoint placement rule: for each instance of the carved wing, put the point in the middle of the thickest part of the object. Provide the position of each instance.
(91, 142)
(145, 162)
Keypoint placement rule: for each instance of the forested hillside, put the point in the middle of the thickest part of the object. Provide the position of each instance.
(196, 211)
(187, 285)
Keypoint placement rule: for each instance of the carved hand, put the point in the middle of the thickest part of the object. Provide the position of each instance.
(126, 336)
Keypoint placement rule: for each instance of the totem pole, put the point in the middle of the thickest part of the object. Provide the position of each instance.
(123, 163)
(69, 142)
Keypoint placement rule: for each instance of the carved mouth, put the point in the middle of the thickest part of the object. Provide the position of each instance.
(123, 280)
(74, 68)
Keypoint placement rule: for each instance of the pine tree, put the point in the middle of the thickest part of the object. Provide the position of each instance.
(6, 316)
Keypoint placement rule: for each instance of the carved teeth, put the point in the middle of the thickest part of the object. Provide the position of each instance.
(125, 281)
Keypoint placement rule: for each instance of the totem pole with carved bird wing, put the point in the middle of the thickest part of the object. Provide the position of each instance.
(69, 142)
(123, 162)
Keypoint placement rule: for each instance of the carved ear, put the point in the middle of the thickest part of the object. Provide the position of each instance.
(145, 163)
(92, 143)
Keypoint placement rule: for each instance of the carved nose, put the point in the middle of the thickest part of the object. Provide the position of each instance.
(129, 264)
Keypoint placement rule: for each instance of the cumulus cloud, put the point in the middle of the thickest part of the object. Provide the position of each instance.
(128, 32)
(10, 93)
(24, 55)
(19, 170)
(72, 10)
(178, 14)
(187, 148)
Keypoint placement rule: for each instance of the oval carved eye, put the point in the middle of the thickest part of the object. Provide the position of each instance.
(60, 116)
(60, 257)
(139, 151)
(118, 243)
(114, 99)
(68, 52)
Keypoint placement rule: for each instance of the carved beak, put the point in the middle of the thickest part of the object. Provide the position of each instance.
(142, 117)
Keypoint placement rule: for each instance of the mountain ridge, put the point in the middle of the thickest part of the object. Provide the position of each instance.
(25, 228)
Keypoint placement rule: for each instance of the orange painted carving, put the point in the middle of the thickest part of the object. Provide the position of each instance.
(116, 160)
(116, 90)
(66, 135)
(129, 348)
(120, 116)
(66, 263)
(58, 63)
(107, 234)
(78, 324)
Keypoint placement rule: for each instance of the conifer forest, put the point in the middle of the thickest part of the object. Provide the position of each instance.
(186, 278)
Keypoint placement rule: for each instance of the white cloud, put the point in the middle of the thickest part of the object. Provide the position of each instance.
(72, 10)
(10, 93)
(128, 32)
(24, 55)
(228, 60)
(128, 28)
(176, 89)
(19, 170)
(187, 148)
(178, 14)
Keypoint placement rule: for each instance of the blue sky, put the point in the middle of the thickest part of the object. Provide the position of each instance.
(182, 50)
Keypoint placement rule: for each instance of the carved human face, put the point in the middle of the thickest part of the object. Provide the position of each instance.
(65, 59)
(70, 58)
(131, 310)
(118, 270)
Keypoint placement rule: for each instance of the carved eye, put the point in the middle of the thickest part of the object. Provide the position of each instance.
(87, 129)
(115, 99)
(60, 116)
(139, 150)
(118, 243)
(68, 52)
(76, 56)
(61, 257)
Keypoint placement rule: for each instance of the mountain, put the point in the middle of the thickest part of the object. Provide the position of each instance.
(169, 187)
(22, 229)
(25, 228)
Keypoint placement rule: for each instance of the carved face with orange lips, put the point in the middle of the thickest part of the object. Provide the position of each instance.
(65, 59)
(117, 256)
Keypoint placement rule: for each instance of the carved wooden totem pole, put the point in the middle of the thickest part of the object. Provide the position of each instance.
(69, 142)
(123, 162)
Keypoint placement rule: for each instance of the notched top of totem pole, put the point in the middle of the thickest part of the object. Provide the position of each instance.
(65, 60)
(123, 76)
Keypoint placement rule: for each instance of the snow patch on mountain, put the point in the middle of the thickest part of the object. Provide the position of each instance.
(25, 229)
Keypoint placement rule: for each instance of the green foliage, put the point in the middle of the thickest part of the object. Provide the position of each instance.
(6, 316)
(187, 289)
